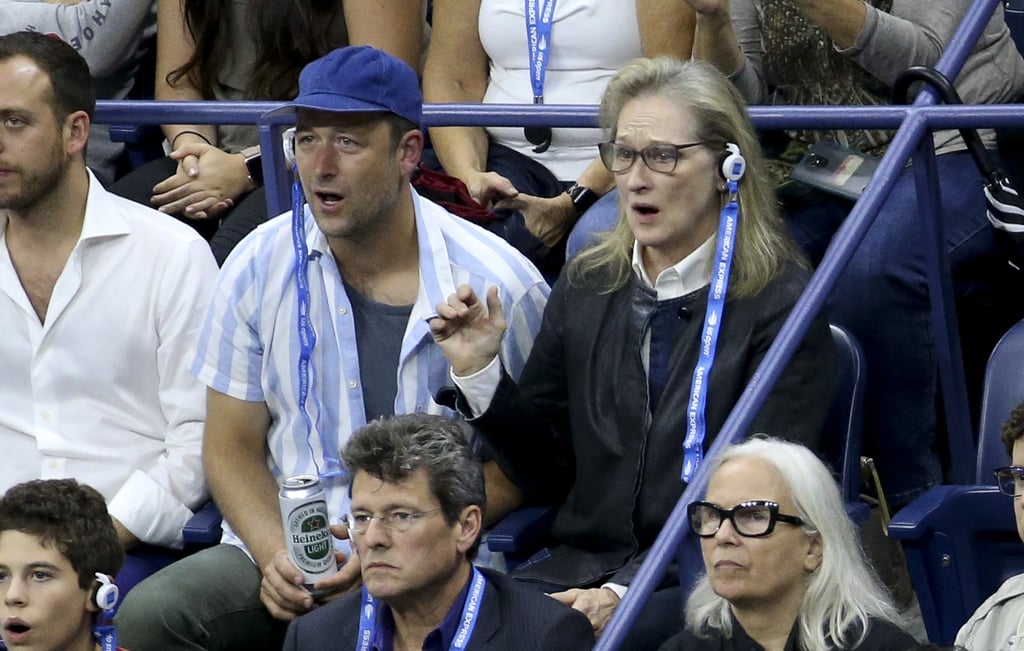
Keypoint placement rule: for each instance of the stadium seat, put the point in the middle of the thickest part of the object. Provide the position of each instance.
(1003, 390)
(203, 528)
(841, 438)
(961, 542)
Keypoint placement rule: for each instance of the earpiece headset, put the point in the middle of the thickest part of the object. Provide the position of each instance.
(105, 593)
(733, 165)
(288, 144)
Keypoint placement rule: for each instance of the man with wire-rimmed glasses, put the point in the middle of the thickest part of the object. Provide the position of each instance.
(999, 621)
(417, 497)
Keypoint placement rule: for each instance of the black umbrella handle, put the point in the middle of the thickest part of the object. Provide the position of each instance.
(948, 93)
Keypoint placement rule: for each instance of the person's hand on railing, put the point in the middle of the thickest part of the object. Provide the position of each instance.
(206, 183)
(549, 219)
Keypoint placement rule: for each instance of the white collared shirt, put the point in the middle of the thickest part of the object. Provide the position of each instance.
(101, 391)
(686, 276)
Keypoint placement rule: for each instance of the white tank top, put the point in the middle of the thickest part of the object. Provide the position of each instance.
(590, 41)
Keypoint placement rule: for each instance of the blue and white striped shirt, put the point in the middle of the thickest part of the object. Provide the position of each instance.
(249, 345)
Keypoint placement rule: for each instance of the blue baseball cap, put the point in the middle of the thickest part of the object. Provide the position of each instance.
(360, 79)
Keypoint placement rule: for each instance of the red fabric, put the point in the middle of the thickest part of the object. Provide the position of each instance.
(451, 193)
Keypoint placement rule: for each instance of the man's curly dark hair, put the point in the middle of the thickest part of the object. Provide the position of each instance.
(1013, 428)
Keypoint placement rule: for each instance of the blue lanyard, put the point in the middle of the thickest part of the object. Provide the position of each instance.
(696, 427)
(106, 635)
(307, 336)
(369, 616)
(538, 40)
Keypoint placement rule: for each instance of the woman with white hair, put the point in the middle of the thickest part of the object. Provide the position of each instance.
(784, 570)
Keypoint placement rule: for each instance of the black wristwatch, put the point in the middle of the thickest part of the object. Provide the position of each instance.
(253, 164)
(582, 197)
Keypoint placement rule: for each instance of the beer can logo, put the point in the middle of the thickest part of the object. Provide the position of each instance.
(310, 538)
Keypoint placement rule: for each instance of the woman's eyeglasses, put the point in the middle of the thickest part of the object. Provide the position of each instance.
(1010, 480)
(751, 519)
(619, 158)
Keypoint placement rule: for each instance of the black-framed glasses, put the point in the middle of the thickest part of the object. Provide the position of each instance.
(751, 519)
(619, 158)
(538, 136)
(398, 520)
(1010, 480)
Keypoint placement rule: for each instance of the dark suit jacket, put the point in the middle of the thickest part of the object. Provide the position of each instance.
(512, 618)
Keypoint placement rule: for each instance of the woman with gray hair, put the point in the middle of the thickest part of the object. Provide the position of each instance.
(783, 566)
(625, 386)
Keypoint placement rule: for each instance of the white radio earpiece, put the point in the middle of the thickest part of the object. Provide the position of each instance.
(288, 145)
(105, 594)
(733, 164)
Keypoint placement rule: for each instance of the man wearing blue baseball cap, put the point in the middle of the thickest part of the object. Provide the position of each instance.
(318, 325)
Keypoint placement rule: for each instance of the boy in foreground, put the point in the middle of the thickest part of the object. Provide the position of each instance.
(58, 552)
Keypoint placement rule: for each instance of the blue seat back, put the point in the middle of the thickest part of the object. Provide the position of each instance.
(1003, 390)
(961, 542)
(841, 437)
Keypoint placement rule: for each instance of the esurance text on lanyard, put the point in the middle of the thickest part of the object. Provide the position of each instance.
(369, 615)
(696, 427)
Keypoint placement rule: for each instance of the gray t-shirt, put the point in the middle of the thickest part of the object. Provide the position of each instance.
(379, 332)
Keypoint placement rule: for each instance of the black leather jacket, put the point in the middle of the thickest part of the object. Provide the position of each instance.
(577, 430)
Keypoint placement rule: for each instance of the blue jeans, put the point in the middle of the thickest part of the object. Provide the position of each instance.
(882, 298)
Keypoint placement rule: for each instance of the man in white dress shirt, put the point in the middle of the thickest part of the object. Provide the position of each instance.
(100, 301)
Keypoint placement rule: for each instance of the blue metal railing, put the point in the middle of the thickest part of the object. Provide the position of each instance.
(911, 140)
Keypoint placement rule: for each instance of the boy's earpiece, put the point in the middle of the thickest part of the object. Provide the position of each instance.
(105, 593)
(732, 165)
(288, 144)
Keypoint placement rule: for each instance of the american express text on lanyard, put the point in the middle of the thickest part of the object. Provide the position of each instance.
(733, 167)
(538, 41)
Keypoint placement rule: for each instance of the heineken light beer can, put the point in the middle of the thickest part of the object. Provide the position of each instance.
(306, 527)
